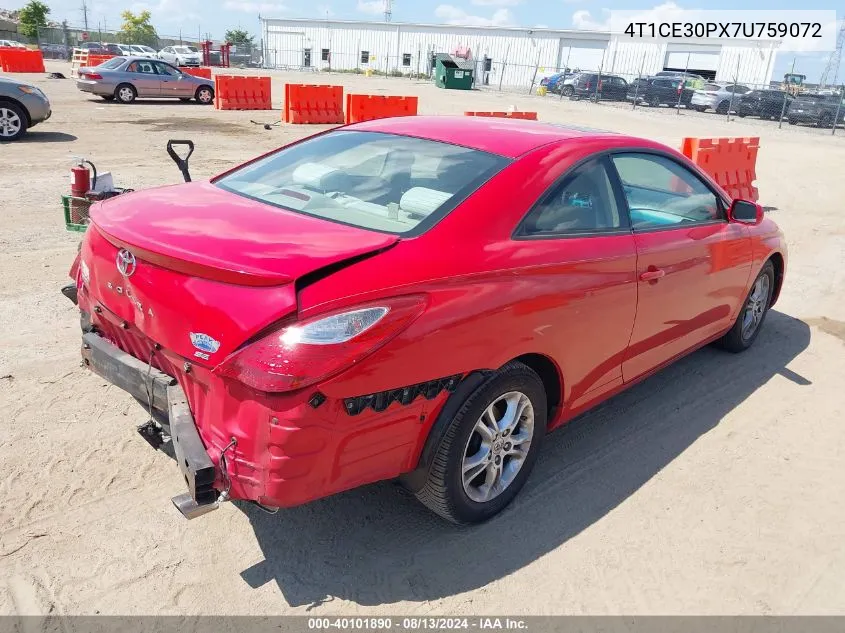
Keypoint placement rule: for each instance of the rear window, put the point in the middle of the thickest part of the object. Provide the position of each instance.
(712, 87)
(383, 182)
(114, 62)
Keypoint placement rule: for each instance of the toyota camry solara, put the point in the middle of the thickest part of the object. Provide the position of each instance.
(420, 298)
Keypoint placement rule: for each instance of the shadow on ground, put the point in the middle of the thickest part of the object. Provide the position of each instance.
(35, 136)
(376, 545)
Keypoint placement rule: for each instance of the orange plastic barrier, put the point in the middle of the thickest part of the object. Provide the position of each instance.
(731, 162)
(21, 60)
(368, 107)
(96, 60)
(313, 104)
(242, 93)
(527, 116)
(205, 73)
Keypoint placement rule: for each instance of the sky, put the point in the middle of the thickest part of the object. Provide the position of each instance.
(192, 17)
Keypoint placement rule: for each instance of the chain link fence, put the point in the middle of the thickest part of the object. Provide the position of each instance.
(58, 42)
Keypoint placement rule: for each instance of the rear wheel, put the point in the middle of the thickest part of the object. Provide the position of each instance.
(205, 95)
(13, 122)
(654, 102)
(125, 93)
(722, 108)
(567, 91)
(753, 313)
(826, 120)
(792, 121)
(489, 448)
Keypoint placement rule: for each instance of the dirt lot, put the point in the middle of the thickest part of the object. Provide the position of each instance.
(714, 487)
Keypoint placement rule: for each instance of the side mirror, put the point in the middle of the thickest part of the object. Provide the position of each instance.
(745, 212)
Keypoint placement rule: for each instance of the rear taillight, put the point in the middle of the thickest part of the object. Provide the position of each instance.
(90, 75)
(303, 353)
(600, 83)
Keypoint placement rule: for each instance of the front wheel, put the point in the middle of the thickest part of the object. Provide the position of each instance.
(567, 91)
(747, 325)
(204, 95)
(489, 448)
(13, 122)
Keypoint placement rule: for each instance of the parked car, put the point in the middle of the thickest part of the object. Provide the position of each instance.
(22, 105)
(656, 91)
(766, 104)
(718, 97)
(181, 55)
(819, 109)
(560, 82)
(608, 87)
(11, 44)
(291, 322)
(679, 74)
(139, 50)
(127, 78)
(95, 48)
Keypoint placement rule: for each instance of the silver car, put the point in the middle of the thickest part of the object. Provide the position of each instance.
(22, 105)
(718, 96)
(181, 55)
(129, 78)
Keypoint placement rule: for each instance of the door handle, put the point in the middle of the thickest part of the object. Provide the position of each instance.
(652, 274)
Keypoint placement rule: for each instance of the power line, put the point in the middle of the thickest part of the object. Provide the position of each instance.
(85, 14)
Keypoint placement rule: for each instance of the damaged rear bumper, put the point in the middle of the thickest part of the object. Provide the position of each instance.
(166, 397)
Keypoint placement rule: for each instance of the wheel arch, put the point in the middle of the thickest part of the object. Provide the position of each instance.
(17, 103)
(541, 364)
(778, 262)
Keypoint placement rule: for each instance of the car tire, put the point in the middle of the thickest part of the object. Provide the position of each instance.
(456, 491)
(13, 122)
(567, 91)
(792, 121)
(722, 108)
(205, 95)
(754, 309)
(654, 102)
(826, 120)
(125, 93)
(700, 108)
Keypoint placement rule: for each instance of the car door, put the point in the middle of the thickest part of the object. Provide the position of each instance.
(143, 76)
(173, 82)
(585, 263)
(692, 264)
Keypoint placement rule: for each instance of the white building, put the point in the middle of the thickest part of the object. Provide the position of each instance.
(514, 53)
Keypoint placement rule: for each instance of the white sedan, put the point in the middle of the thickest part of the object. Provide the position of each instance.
(181, 55)
(718, 96)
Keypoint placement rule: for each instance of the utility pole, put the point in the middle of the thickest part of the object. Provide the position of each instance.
(388, 10)
(831, 70)
(85, 14)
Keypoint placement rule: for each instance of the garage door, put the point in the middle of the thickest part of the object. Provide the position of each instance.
(697, 60)
(583, 57)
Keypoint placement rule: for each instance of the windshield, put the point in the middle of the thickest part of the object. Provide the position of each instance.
(384, 182)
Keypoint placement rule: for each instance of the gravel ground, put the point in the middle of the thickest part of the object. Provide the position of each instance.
(714, 487)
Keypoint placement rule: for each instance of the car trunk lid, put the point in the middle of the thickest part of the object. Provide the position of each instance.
(199, 271)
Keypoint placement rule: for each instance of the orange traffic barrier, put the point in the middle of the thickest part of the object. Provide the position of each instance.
(242, 93)
(368, 107)
(96, 60)
(527, 116)
(205, 73)
(21, 60)
(731, 162)
(313, 104)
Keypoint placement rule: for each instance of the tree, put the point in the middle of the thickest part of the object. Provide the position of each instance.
(33, 15)
(239, 37)
(136, 29)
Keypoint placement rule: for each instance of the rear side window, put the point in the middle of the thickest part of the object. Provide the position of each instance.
(114, 62)
(384, 182)
(712, 87)
(583, 202)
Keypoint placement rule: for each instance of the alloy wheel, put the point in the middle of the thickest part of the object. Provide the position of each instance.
(497, 447)
(125, 94)
(756, 307)
(10, 123)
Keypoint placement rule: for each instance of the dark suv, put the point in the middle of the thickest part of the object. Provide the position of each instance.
(820, 110)
(766, 104)
(609, 87)
(655, 91)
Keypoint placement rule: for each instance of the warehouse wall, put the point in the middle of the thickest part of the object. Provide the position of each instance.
(516, 53)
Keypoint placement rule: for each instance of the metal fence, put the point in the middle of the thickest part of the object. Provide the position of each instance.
(59, 42)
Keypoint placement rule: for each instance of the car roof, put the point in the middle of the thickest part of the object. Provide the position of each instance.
(506, 137)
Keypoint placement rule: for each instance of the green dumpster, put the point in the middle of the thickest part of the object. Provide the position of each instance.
(453, 74)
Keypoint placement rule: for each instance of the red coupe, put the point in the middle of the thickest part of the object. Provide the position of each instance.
(419, 298)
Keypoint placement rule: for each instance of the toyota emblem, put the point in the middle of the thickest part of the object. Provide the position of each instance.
(126, 262)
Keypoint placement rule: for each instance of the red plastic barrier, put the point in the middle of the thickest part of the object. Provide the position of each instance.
(205, 73)
(96, 60)
(731, 162)
(20, 60)
(368, 107)
(527, 116)
(313, 104)
(242, 93)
